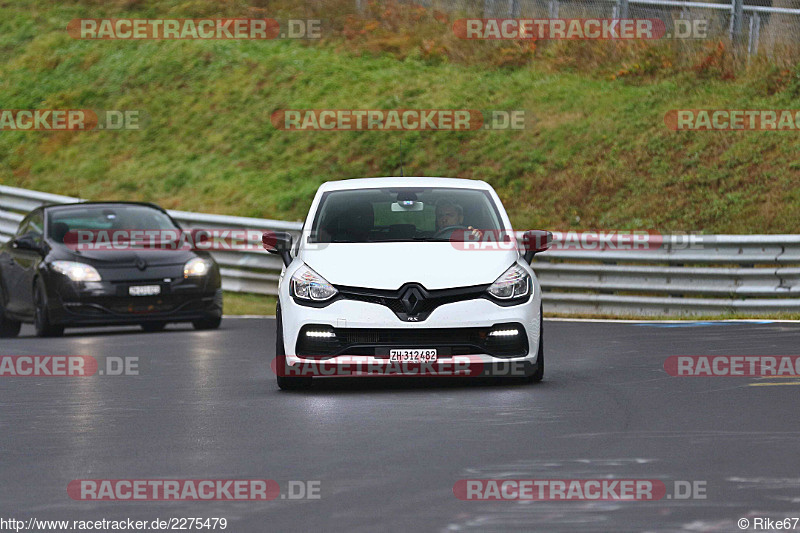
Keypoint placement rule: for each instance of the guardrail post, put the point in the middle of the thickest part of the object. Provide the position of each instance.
(552, 8)
(623, 9)
(737, 9)
(493, 8)
(755, 31)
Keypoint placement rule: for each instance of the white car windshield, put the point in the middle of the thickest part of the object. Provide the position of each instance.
(402, 214)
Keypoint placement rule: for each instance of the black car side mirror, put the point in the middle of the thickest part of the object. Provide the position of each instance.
(278, 242)
(26, 242)
(535, 241)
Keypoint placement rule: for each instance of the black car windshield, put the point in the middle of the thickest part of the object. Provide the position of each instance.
(402, 214)
(106, 217)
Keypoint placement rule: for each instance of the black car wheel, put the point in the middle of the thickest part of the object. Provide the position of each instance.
(41, 319)
(286, 382)
(8, 327)
(152, 327)
(207, 323)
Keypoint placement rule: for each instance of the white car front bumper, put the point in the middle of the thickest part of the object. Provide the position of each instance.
(345, 315)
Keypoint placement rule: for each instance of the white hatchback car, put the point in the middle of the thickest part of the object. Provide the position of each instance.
(383, 273)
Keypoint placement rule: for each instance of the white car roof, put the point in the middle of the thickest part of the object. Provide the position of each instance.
(419, 181)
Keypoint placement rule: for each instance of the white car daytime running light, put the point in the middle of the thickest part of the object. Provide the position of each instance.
(504, 333)
(514, 283)
(308, 285)
(320, 334)
(76, 271)
(195, 267)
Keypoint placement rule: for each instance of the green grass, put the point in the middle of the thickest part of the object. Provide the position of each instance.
(596, 153)
(234, 303)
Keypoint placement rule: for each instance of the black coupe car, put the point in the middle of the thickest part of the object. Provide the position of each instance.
(55, 284)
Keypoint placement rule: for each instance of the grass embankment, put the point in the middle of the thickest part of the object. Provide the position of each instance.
(595, 153)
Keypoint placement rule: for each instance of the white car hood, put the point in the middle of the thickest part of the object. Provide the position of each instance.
(435, 265)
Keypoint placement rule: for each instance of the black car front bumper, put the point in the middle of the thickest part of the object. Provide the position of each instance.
(110, 303)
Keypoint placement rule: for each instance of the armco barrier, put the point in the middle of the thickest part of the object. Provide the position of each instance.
(753, 274)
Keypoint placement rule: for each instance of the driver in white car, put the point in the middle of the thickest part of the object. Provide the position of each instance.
(449, 213)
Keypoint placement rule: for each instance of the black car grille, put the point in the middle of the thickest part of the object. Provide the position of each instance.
(412, 302)
(133, 305)
(377, 342)
(144, 306)
(362, 336)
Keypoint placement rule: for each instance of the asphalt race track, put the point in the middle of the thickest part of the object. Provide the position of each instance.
(387, 452)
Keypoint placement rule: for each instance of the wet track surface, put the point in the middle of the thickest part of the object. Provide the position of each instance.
(388, 451)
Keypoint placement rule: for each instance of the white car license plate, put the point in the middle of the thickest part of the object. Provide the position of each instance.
(144, 290)
(413, 355)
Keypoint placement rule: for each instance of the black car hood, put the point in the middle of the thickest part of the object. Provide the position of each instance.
(127, 258)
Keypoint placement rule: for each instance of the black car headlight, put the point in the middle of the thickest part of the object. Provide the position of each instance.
(76, 271)
(196, 267)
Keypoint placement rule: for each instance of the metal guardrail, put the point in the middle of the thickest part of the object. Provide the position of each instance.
(709, 274)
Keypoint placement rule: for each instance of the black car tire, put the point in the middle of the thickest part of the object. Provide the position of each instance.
(8, 327)
(41, 318)
(152, 327)
(286, 382)
(207, 323)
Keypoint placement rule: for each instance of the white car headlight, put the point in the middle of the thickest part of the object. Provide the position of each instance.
(196, 267)
(76, 271)
(308, 285)
(514, 283)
